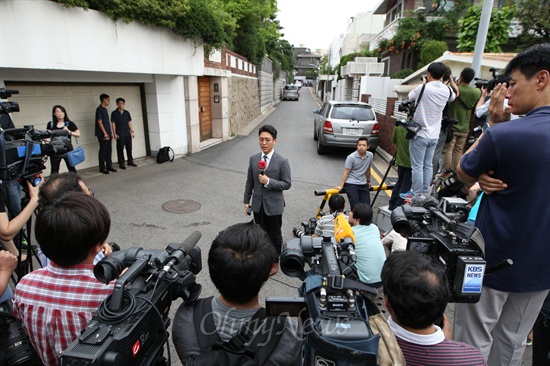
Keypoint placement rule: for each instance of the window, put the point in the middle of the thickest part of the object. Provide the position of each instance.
(396, 11)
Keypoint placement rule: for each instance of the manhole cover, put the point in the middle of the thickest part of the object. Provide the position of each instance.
(181, 206)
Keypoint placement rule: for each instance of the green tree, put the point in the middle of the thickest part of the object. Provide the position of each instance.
(534, 17)
(430, 51)
(496, 35)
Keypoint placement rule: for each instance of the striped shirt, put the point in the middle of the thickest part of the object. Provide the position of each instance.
(434, 349)
(55, 303)
(325, 225)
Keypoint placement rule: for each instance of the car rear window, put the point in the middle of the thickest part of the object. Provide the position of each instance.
(291, 87)
(358, 113)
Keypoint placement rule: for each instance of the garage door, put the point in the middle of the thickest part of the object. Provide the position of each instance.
(37, 100)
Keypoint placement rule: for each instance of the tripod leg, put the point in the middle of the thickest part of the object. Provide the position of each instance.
(391, 163)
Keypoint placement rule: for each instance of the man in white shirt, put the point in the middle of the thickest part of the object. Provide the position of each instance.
(428, 114)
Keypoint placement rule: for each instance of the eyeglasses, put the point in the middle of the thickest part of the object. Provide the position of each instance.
(91, 193)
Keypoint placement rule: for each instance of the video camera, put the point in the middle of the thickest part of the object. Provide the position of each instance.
(331, 257)
(130, 325)
(23, 151)
(456, 246)
(412, 127)
(490, 84)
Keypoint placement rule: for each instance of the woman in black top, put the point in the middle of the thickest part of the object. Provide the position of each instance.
(60, 121)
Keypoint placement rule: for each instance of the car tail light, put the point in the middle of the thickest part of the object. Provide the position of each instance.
(375, 129)
(328, 127)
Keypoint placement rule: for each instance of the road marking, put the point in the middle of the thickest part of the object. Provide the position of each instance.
(378, 180)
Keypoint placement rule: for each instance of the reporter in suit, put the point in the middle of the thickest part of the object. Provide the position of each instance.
(266, 190)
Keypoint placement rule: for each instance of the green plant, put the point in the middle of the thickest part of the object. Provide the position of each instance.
(496, 35)
(432, 50)
(402, 74)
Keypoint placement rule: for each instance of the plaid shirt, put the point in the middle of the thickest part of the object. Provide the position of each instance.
(54, 305)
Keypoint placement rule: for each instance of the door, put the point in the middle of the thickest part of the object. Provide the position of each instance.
(205, 110)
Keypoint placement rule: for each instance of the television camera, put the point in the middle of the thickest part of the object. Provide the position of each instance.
(23, 151)
(130, 325)
(490, 84)
(456, 246)
(335, 307)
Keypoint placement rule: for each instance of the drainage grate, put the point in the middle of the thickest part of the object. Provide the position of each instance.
(181, 206)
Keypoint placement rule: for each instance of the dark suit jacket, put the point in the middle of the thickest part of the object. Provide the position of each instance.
(271, 197)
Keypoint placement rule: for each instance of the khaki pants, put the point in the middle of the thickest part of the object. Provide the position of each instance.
(453, 151)
(498, 324)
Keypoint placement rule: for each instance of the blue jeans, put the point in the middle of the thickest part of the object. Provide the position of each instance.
(421, 151)
(11, 194)
(403, 185)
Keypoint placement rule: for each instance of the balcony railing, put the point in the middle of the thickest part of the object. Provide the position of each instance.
(387, 33)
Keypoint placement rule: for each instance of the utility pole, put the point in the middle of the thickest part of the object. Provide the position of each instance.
(482, 31)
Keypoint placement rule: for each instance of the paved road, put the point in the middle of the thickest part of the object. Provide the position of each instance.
(213, 180)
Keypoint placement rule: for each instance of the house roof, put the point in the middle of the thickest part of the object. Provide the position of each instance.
(497, 60)
(314, 55)
(457, 61)
(383, 6)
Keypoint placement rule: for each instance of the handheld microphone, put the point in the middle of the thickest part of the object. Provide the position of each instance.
(262, 165)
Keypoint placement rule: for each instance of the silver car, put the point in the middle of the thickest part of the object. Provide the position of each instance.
(291, 92)
(340, 124)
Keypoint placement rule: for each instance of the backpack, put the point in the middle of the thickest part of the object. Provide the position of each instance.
(164, 155)
(234, 352)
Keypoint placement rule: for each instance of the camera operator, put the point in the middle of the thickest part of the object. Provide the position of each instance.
(437, 161)
(8, 263)
(510, 162)
(416, 295)
(10, 228)
(428, 115)
(482, 107)
(55, 187)
(241, 260)
(461, 110)
(55, 303)
(325, 225)
(368, 246)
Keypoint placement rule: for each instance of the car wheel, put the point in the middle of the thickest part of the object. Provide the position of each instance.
(315, 137)
(321, 149)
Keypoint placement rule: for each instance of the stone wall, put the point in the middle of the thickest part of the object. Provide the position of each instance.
(244, 103)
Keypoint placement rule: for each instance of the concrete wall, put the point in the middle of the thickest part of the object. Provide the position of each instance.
(88, 47)
(265, 84)
(243, 101)
(379, 86)
(278, 87)
(40, 34)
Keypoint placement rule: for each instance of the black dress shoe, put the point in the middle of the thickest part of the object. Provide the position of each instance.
(111, 169)
(122, 167)
(105, 172)
(132, 164)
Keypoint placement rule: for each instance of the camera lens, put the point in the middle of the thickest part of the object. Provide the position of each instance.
(292, 259)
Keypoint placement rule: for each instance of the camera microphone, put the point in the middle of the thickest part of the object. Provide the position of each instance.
(189, 243)
(262, 165)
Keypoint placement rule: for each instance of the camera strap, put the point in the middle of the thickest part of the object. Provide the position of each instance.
(420, 95)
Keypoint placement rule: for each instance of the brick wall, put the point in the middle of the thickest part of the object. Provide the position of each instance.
(386, 123)
(233, 62)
